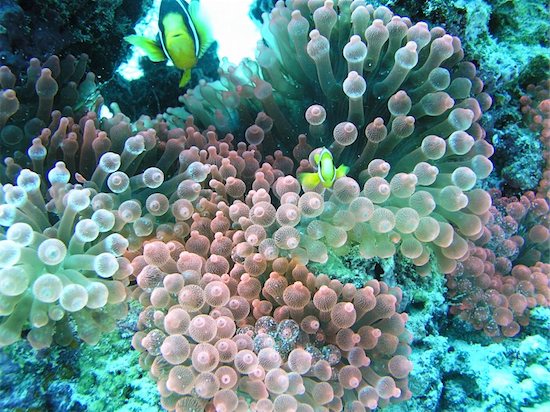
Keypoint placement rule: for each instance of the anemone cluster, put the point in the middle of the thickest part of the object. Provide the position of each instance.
(207, 222)
(402, 108)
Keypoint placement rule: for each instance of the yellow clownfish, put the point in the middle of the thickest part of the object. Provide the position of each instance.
(184, 36)
(326, 172)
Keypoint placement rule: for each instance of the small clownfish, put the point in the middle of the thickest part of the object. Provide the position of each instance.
(183, 33)
(326, 172)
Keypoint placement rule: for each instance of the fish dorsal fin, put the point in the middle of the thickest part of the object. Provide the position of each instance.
(203, 29)
(186, 8)
(154, 52)
(326, 152)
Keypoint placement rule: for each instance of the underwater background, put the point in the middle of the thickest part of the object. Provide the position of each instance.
(193, 248)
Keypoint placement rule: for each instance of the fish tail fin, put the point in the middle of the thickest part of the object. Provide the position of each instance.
(342, 171)
(153, 50)
(185, 77)
(309, 180)
(201, 24)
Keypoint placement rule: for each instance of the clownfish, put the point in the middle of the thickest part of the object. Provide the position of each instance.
(326, 172)
(184, 36)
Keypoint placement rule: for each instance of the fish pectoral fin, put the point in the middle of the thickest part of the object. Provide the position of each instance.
(153, 50)
(201, 25)
(205, 46)
(185, 77)
(317, 158)
(309, 180)
(342, 171)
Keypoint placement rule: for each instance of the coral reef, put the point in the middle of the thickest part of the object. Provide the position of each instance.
(51, 90)
(296, 234)
(478, 377)
(44, 28)
(79, 377)
(137, 97)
